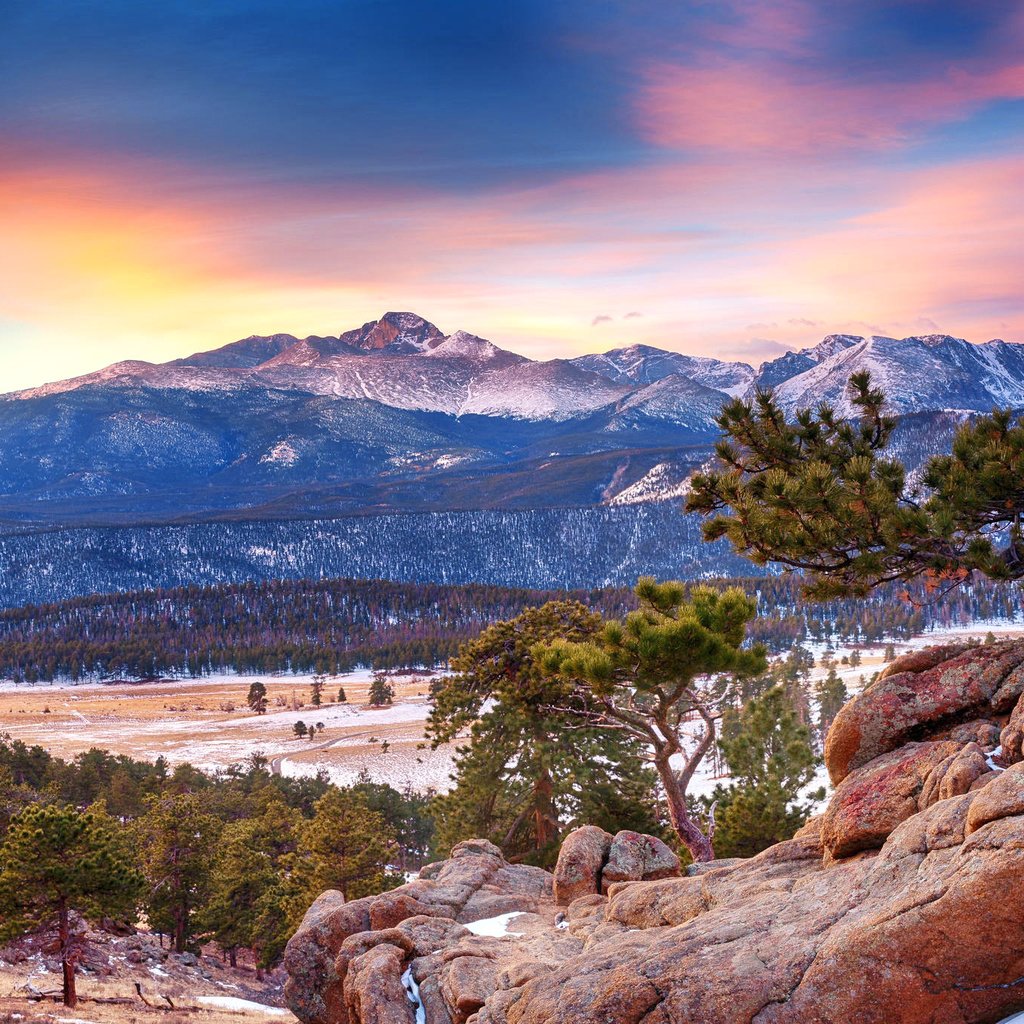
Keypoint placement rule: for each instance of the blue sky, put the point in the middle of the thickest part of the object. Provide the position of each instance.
(746, 176)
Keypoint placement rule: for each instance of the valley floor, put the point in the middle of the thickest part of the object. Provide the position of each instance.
(207, 723)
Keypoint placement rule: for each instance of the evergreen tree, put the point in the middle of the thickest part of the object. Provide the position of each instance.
(819, 494)
(408, 815)
(14, 798)
(342, 699)
(316, 689)
(56, 861)
(382, 693)
(299, 728)
(522, 778)
(257, 698)
(670, 661)
(832, 695)
(248, 862)
(177, 841)
(346, 846)
(770, 758)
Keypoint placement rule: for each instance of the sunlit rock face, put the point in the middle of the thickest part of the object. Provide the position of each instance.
(900, 903)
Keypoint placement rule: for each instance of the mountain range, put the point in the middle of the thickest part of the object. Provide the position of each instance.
(396, 416)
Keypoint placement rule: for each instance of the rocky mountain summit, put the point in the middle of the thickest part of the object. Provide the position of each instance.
(397, 416)
(900, 904)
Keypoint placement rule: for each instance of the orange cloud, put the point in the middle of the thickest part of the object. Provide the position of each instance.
(949, 244)
(155, 261)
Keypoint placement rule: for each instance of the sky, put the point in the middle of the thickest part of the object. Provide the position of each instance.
(730, 178)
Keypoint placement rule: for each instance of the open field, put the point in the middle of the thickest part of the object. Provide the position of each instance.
(207, 722)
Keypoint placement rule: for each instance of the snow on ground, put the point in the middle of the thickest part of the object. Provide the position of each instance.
(351, 742)
(233, 1003)
(494, 926)
(415, 769)
(412, 991)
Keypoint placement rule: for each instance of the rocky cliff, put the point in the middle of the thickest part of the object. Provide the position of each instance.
(900, 904)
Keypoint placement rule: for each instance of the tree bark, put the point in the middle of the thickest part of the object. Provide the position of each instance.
(690, 835)
(66, 962)
(545, 829)
(180, 918)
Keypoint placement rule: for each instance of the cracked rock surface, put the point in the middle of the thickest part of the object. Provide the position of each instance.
(901, 904)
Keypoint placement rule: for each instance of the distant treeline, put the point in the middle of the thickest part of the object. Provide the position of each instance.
(331, 626)
(300, 626)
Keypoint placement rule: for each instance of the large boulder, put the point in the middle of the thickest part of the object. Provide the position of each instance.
(313, 989)
(922, 696)
(580, 861)
(1011, 739)
(925, 930)
(868, 804)
(335, 937)
(634, 857)
(374, 993)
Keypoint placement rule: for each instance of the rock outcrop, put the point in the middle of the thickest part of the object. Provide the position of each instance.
(900, 904)
(591, 860)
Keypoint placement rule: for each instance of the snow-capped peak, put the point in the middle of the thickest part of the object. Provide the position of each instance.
(398, 332)
(463, 345)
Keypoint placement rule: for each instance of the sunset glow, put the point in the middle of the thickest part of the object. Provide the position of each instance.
(729, 179)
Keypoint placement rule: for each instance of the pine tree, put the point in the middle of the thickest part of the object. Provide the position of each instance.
(382, 693)
(771, 760)
(670, 661)
(56, 861)
(346, 846)
(342, 699)
(316, 689)
(520, 780)
(248, 863)
(832, 695)
(177, 841)
(257, 698)
(300, 729)
(819, 494)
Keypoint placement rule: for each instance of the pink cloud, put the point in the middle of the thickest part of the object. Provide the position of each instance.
(948, 244)
(735, 106)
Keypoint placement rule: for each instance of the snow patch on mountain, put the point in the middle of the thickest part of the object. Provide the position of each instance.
(663, 482)
(929, 372)
(281, 454)
(645, 364)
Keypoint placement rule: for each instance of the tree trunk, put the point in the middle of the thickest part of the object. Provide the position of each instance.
(180, 917)
(544, 828)
(689, 834)
(66, 962)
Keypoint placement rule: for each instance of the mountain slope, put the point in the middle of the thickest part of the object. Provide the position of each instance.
(931, 372)
(643, 364)
(395, 416)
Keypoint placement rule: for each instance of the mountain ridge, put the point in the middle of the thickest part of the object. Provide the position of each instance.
(396, 416)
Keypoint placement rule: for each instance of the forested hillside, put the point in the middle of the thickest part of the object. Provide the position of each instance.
(336, 625)
(554, 547)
